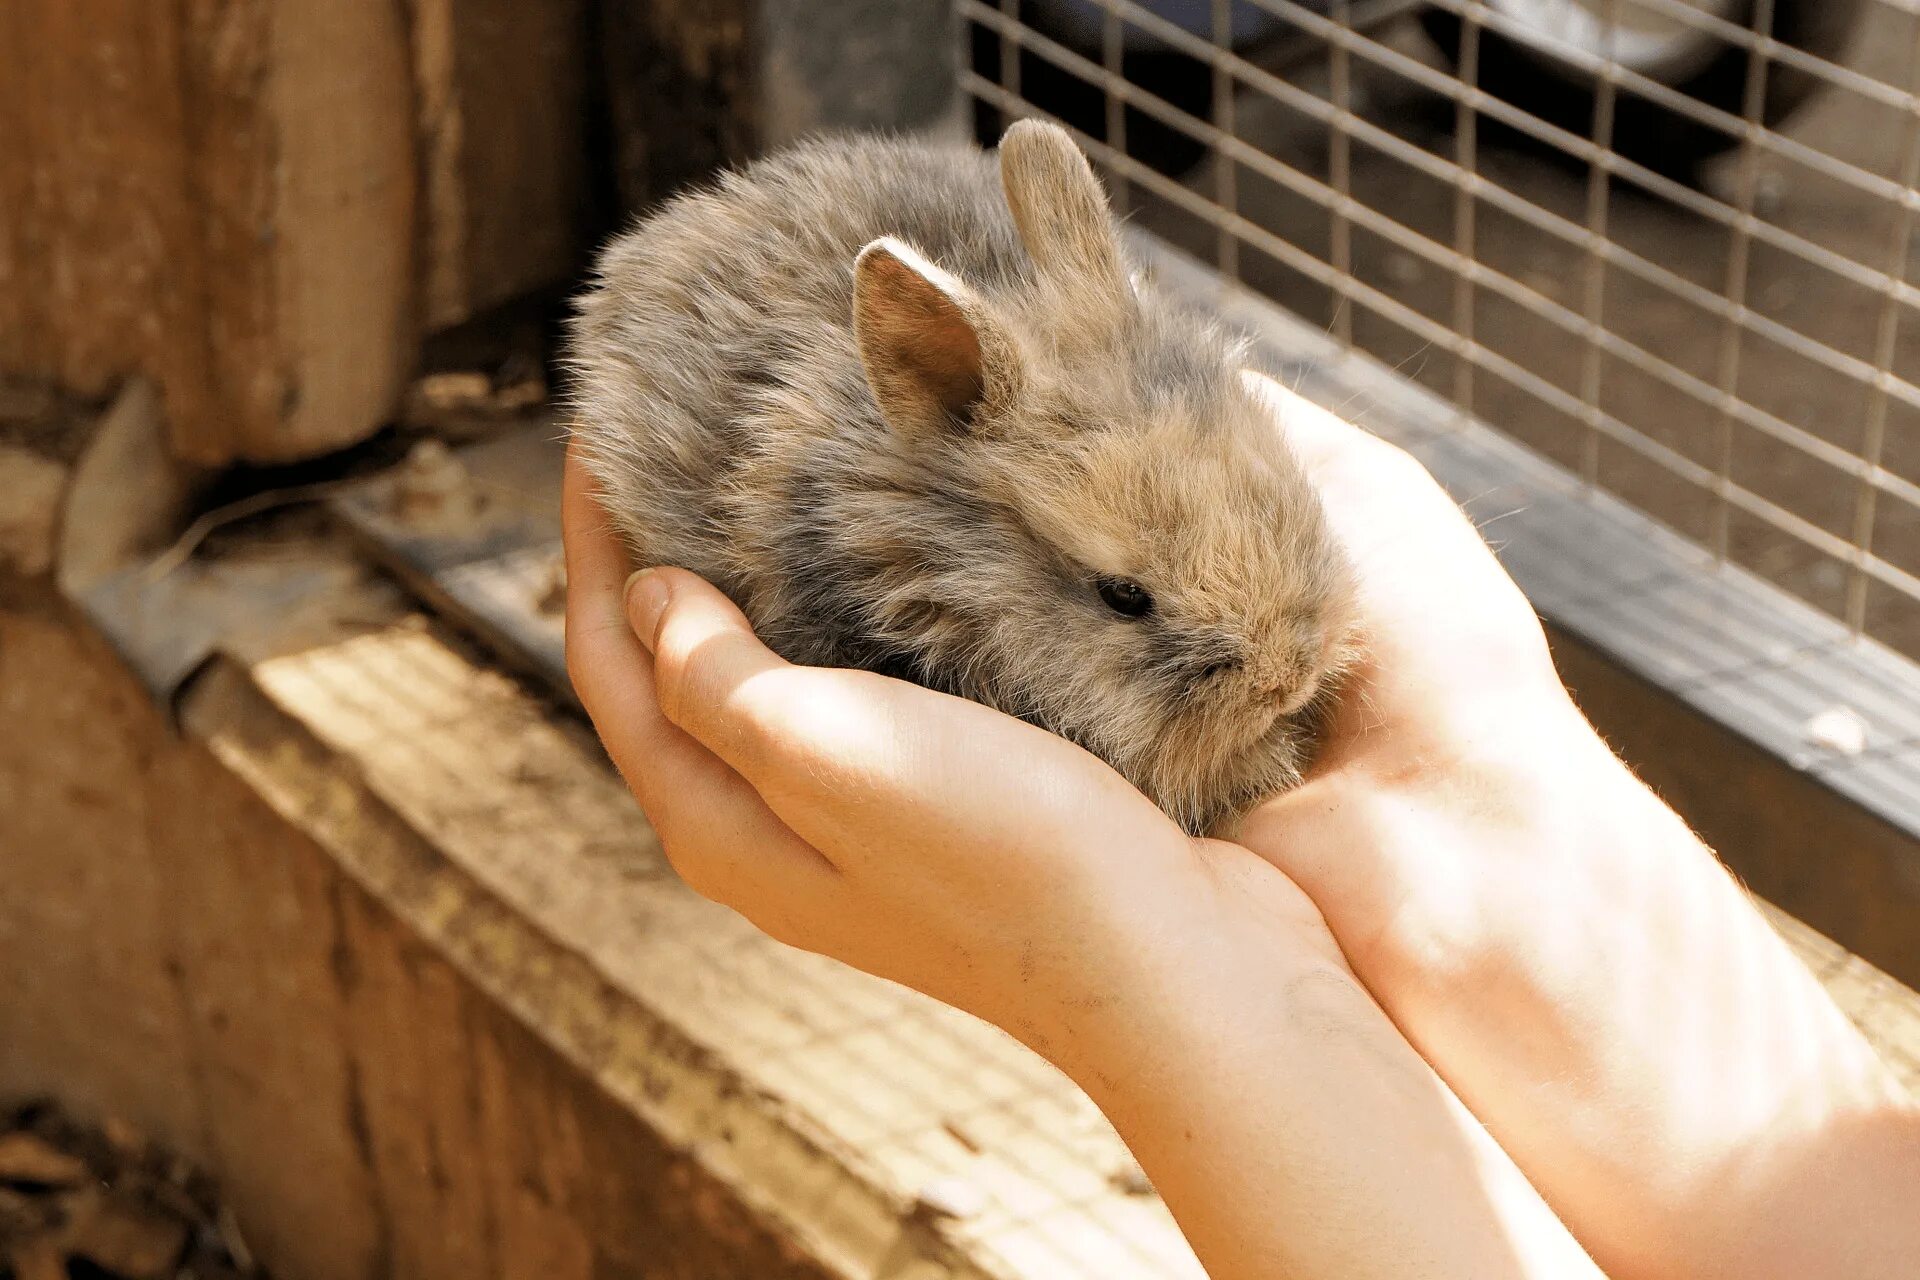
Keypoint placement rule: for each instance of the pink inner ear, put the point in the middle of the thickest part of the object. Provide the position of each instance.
(945, 355)
(927, 337)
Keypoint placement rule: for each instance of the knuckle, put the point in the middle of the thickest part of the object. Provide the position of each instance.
(764, 721)
(755, 722)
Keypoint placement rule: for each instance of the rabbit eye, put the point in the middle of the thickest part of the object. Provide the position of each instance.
(1125, 597)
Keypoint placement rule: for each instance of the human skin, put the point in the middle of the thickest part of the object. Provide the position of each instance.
(1549, 934)
(1555, 942)
(1188, 986)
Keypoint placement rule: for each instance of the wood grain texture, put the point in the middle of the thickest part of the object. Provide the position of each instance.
(98, 255)
(180, 956)
(501, 94)
(218, 194)
(342, 241)
(262, 204)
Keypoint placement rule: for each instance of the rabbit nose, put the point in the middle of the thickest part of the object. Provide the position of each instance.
(1294, 688)
(1282, 688)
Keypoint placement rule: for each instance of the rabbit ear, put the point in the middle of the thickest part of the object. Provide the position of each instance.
(1061, 210)
(934, 354)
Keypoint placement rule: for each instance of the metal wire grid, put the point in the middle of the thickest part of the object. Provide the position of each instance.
(1842, 492)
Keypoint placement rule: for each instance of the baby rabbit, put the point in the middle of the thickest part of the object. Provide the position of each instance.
(916, 420)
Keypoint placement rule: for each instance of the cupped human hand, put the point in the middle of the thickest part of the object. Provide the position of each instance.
(918, 836)
(1188, 985)
(1576, 964)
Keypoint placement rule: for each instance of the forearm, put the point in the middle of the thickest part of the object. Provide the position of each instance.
(1682, 1089)
(1763, 1127)
(1290, 1127)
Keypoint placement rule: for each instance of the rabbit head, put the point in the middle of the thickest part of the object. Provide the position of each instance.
(1091, 521)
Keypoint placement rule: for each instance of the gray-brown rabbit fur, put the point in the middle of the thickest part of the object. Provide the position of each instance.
(941, 472)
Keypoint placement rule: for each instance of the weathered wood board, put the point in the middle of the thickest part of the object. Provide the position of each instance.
(262, 205)
(220, 196)
(502, 93)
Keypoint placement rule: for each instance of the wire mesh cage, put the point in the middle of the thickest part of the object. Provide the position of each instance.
(1666, 243)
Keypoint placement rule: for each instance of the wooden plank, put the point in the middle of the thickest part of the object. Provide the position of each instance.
(261, 203)
(542, 1143)
(84, 1003)
(218, 194)
(339, 101)
(93, 165)
(501, 88)
(255, 944)
(181, 956)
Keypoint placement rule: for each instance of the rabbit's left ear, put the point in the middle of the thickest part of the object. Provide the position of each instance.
(1061, 211)
(935, 354)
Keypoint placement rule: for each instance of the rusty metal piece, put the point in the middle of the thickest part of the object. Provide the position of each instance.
(498, 572)
(165, 615)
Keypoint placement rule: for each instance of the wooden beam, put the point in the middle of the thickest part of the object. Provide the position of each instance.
(219, 195)
(503, 118)
(261, 204)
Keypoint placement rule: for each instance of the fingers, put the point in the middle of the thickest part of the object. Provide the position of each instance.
(706, 660)
(604, 659)
(718, 684)
(863, 766)
(596, 566)
(715, 829)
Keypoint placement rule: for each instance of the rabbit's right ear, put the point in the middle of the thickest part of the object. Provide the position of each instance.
(1061, 211)
(934, 354)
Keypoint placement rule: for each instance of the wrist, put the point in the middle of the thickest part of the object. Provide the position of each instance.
(1175, 960)
(1258, 1082)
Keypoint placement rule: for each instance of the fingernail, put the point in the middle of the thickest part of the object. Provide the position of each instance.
(646, 594)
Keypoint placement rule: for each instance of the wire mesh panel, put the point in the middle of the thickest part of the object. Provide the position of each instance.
(1667, 243)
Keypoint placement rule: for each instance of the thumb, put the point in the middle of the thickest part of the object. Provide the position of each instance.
(710, 671)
